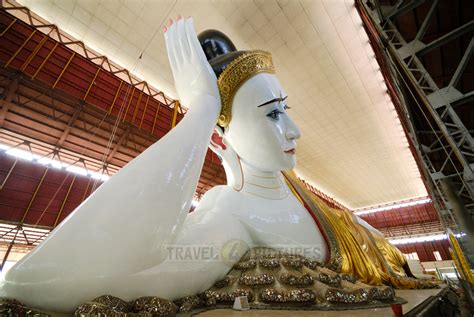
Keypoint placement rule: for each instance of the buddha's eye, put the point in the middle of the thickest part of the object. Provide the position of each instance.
(275, 114)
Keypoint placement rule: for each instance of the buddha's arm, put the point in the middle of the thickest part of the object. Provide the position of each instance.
(211, 242)
(129, 217)
(191, 264)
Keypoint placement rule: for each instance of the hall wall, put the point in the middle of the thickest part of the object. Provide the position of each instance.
(425, 249)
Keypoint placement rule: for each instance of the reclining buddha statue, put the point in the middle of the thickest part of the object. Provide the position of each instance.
(113, 243)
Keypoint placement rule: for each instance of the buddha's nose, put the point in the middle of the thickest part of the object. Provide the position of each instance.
(292, 131)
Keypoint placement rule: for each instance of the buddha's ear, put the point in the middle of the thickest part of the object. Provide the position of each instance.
(230, 159)
(217, 141)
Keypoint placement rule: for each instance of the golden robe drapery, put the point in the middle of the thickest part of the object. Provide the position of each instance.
(352, 247)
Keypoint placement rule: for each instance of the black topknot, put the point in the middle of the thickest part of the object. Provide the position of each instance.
(219, 49)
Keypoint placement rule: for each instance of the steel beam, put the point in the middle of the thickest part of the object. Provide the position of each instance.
(118, 145)
(44, 61)
(455, 143)
(156, 117)
(7, 98)
(144, 111)
(8, 27)
(20, 48)
(406, 8)
(70, 124)
(421, 32)
(117, 93)
(462, 64)
(64, 202)
(137, 106)
(10, 246)
(25, 213)
(469, 97)
(175, 113)
(92, 83)
(35, 51)
(128, 105)
(8, 174)
(86, 190)
(64, 69)
(446, 38)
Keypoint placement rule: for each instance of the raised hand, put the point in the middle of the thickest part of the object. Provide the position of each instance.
(193, 76)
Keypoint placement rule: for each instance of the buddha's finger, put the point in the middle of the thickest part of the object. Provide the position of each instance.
(175, 44)
(183, 40)
(169, 49)
(194, 45)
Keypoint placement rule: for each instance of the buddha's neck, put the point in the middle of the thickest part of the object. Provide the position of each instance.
(269, 185)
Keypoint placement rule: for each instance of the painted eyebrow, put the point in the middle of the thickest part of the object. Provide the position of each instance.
(271, 101)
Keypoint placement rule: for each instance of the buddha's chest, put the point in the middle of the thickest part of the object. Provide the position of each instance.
(284, 224)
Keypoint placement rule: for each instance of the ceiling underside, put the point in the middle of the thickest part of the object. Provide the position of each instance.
(353, 147)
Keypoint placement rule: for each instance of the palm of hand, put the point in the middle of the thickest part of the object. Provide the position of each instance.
(193, 76)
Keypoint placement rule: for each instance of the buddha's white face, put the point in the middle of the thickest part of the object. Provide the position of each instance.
(260, 131)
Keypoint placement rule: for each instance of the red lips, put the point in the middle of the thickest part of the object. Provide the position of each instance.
(291, 151)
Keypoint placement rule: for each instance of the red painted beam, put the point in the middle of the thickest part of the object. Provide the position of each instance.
(22, 182)
(46, 60)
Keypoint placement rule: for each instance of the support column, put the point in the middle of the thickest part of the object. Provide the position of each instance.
(463, 218)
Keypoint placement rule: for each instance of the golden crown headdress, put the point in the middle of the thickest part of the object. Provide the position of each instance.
(236, 73)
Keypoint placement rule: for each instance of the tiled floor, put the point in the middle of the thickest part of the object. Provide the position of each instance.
(414, 297)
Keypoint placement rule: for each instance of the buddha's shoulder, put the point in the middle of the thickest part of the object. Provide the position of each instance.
(221, 196)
